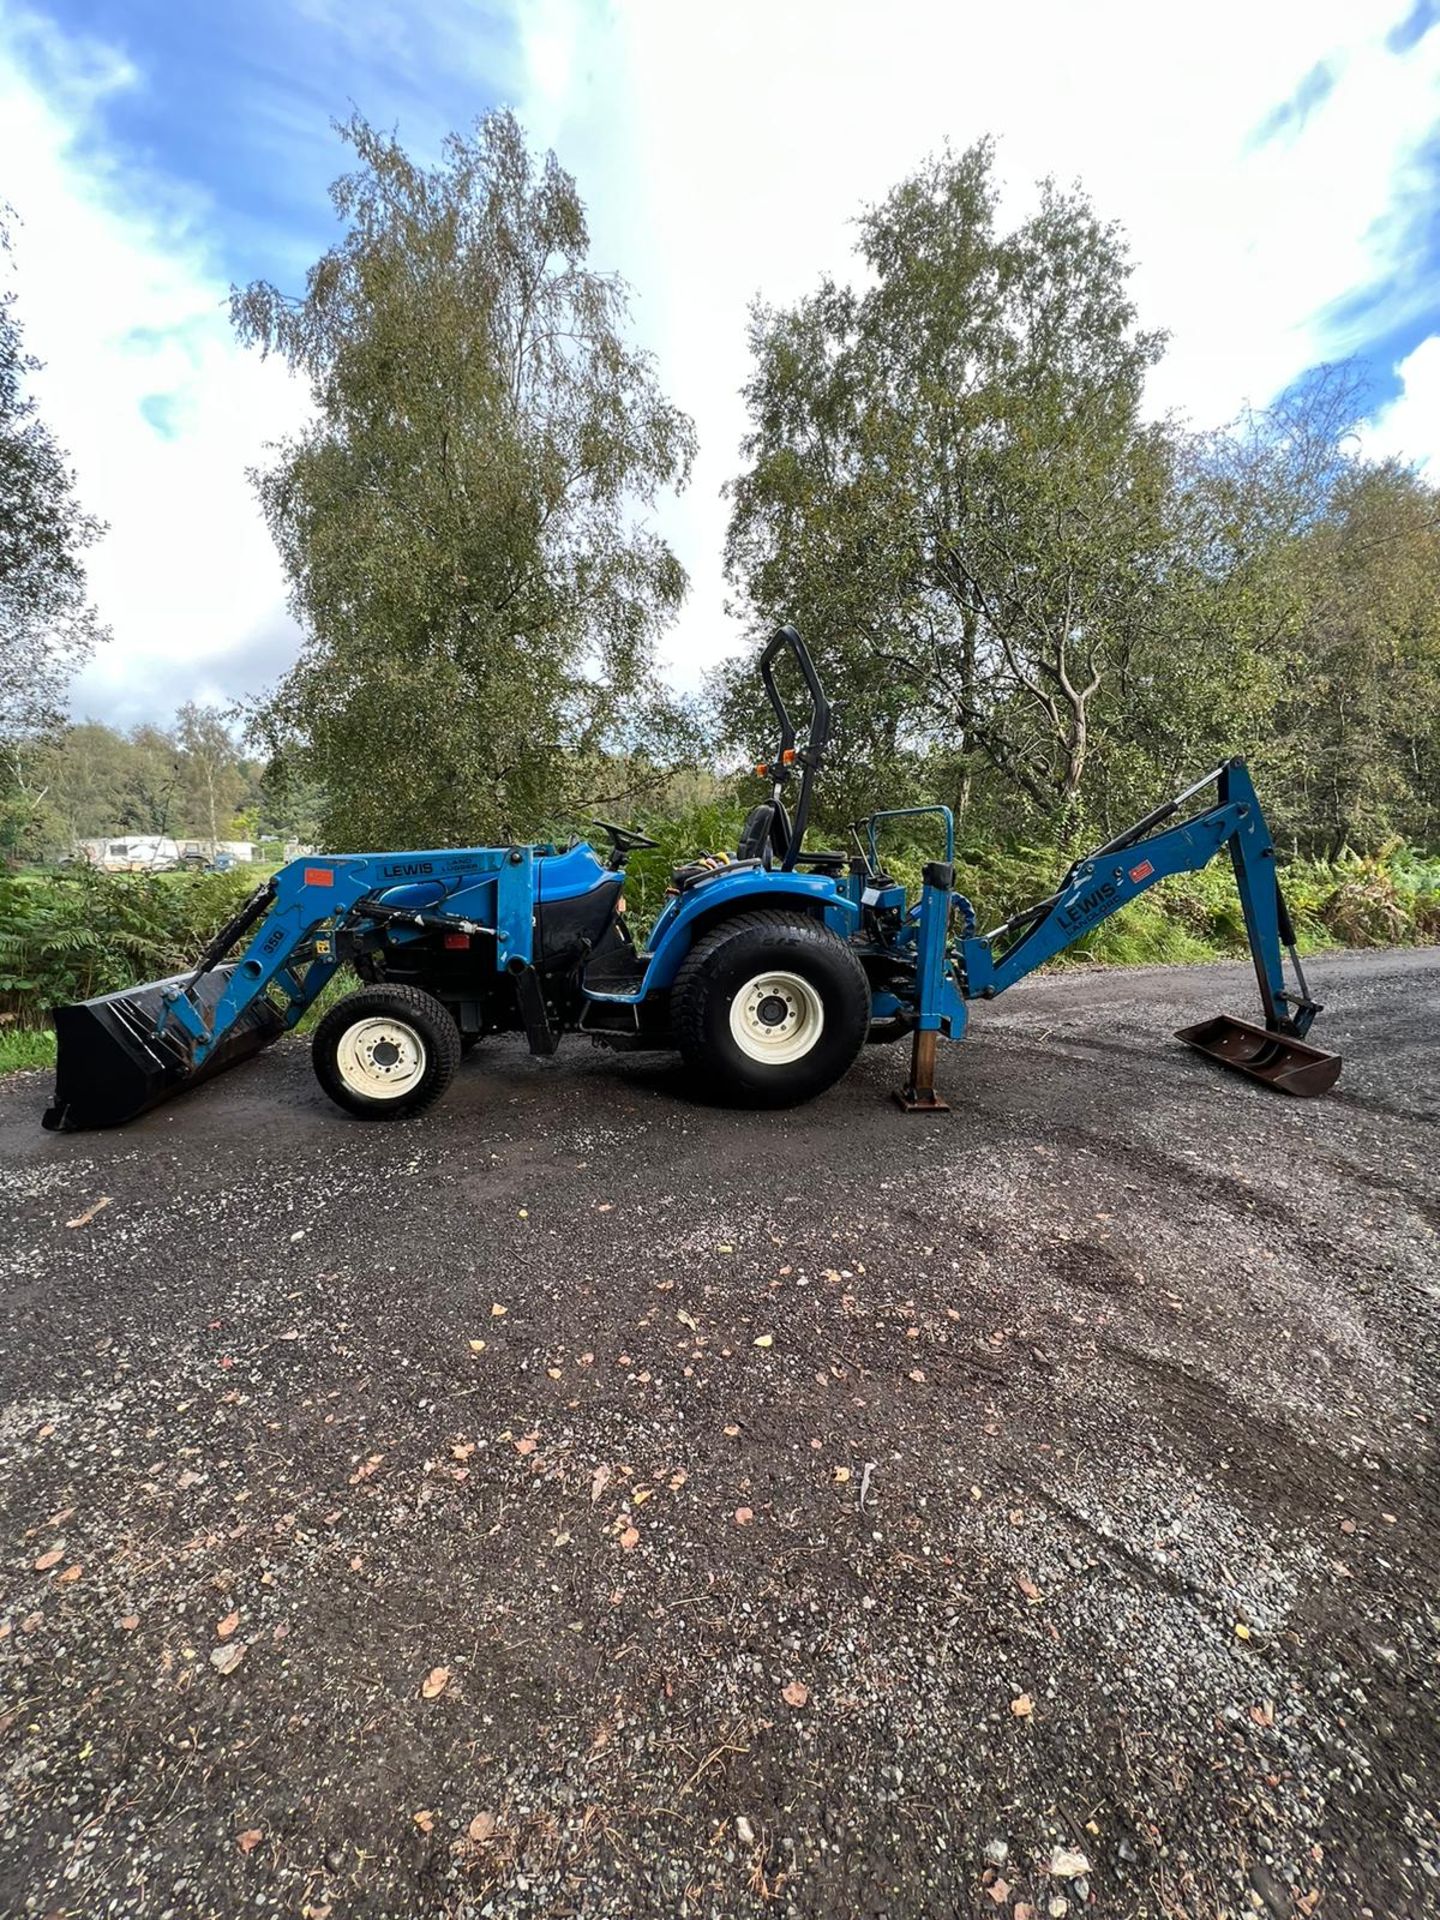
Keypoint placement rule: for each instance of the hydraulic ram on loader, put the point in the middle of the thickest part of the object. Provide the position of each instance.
(768, 968)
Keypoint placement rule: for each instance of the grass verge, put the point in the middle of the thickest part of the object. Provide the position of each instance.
(22, 1048)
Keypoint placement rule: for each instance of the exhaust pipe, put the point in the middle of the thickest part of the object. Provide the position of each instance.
(1275, 1059)
(111, 1064)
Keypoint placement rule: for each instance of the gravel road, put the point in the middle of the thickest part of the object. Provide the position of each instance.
(584, 1502)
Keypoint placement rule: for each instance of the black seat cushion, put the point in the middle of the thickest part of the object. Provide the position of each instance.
(766, 833)
(706, 868)
(755, 835)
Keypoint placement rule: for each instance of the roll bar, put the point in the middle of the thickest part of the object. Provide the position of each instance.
(808, 757)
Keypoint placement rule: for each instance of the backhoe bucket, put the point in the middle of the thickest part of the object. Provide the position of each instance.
(111, 1065)
(1291, 1066)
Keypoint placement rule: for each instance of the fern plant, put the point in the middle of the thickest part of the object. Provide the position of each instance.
(73, 935)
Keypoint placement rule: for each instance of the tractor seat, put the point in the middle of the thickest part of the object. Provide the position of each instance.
(767, 834)
(766, 829)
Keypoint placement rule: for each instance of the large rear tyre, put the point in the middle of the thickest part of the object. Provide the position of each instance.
(386, 1052)
(771, 1008)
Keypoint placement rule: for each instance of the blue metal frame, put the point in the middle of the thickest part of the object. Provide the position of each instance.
(872, 820)
(490, 889)
(939, 1007)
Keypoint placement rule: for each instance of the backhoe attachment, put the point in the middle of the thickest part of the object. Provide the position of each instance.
(1275, 1053)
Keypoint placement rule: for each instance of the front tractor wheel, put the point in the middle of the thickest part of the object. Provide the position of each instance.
(386, 1052)
(771, 1008)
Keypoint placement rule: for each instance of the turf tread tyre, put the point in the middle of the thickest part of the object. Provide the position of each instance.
(721, 961)
(429, 1017)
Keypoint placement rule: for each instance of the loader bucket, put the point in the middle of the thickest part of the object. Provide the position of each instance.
(1292, 1066)
(111, 1065)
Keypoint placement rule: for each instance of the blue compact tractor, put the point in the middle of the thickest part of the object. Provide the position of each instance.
(768, 969)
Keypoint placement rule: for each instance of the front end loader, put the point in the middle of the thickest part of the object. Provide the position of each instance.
(768, 969)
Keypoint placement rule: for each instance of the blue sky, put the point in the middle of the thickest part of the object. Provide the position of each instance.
(237, 100)
(1278, 172)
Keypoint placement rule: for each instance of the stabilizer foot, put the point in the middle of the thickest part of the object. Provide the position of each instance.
(919, 1096)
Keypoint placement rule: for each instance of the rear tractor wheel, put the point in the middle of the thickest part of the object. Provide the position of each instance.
(772, 1008)
(386, 1051)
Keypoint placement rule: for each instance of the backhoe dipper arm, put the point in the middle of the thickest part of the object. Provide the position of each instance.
(1134, 861)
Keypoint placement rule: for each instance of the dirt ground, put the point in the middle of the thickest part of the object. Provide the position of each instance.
(585, 1502)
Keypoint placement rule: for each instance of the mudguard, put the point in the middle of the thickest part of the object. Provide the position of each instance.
(730, 890)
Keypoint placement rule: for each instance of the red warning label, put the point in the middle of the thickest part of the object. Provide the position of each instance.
(1142, 872)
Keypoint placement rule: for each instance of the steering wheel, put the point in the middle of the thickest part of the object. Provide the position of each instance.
(624, 839)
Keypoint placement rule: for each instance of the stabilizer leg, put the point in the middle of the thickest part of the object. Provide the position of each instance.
(919, 1096)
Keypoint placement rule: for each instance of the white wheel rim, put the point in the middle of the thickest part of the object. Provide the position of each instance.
(382, 1059)
(776, 1018)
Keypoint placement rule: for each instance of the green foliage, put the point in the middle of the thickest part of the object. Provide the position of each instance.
(1043, 609)
(47, 626)
(1379, 900)
(950, 483)
(463, 524)
(210, 768)
(72, 935)
(1357, 730)
(24, 1049)
(187, 780)
(710, 827)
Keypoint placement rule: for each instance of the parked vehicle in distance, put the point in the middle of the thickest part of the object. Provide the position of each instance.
(162, 853)
(219, 856)
(131, 853)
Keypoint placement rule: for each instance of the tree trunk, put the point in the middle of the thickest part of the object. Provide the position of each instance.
(1076, 746)
(963, 790)
(210, 795)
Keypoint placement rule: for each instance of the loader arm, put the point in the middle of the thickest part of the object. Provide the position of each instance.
(292, 954)
(125, 1052)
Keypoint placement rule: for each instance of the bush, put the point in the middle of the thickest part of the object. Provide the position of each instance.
(1384, 899)
(22, 1048)
(71, 935)
(711, 828)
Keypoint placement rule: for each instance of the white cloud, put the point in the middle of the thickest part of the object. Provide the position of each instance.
(1409, 427)
(724, 150)
(120, 297)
